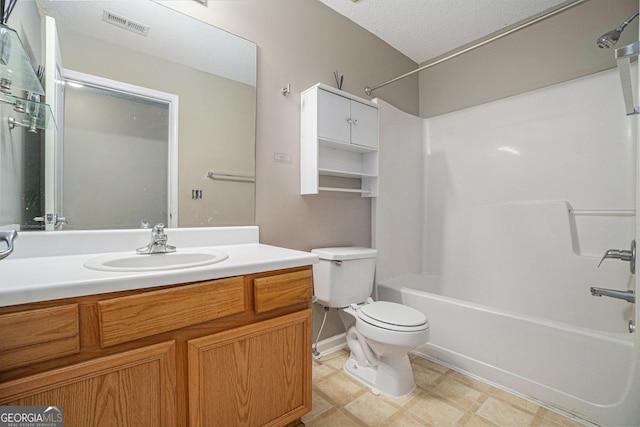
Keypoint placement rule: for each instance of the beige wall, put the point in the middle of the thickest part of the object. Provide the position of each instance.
(557, 49)
(215, 132)
(302, 42)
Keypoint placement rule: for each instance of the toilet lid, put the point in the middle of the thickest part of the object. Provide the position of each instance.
(389, 314)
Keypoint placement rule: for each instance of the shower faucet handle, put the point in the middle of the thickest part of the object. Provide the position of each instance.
(623, 255)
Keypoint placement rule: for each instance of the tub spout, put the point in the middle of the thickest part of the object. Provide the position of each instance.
(629, 296)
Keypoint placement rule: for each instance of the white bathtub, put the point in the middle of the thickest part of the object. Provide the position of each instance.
(578, 370)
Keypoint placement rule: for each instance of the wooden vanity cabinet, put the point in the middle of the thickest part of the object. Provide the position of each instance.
(133, 388)
(227, 352)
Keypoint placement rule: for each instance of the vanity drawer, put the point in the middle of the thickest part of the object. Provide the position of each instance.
(128, 318)
(38, 335)
(273, 292)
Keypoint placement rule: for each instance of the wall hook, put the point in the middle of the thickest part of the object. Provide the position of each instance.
(339, 79)
(286, 90)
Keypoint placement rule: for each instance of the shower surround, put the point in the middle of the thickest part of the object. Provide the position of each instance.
(492, 220)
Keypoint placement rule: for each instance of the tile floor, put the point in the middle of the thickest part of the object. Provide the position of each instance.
(443, 397)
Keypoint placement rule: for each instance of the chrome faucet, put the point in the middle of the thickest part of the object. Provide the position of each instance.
(629, 296)
(158, 243)
(8, 237)
(623, 255)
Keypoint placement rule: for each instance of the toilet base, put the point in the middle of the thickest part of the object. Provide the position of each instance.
(392, 376)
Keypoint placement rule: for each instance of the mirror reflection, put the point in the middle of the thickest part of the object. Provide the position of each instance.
(109, 135)
(157, 122)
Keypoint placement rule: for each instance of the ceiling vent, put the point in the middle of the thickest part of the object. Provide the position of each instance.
(126, 23)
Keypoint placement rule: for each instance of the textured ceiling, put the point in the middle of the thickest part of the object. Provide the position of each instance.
(425, 29)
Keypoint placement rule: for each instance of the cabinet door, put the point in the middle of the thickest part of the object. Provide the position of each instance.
(134, 388)
(254, 375)
(364, 128)
(334, 114)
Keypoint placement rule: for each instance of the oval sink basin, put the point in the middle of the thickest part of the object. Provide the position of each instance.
(131, 261)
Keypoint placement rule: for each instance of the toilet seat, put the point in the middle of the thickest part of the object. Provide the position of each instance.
(392, 316)
(390, 328)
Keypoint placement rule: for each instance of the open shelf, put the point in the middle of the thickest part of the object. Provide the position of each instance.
(354, 148)
(15, 65)
(29, 114)
(343, 190)
(344, 174)
(18, 75)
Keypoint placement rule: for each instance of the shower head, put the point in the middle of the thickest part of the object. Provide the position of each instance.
(610, 38)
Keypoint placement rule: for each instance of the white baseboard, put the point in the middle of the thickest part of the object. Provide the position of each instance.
(331, 345)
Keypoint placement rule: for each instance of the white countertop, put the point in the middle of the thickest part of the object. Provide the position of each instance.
(33, 276)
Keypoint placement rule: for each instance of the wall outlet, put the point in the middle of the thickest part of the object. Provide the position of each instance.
(282, 157)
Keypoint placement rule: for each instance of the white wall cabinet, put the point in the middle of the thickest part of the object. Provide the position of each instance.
(338, 137)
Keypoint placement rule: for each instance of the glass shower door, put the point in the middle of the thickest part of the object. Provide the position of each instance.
(115, 170)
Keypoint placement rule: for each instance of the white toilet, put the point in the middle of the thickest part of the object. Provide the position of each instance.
(379, 334)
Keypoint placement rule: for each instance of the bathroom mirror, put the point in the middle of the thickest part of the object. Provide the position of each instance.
(211, 74)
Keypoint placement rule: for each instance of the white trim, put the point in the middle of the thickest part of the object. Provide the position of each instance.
(52, 152)
(10, 227)
(331, 345)
(169, 98)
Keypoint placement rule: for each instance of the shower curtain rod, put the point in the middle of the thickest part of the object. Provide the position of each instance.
(368, 90)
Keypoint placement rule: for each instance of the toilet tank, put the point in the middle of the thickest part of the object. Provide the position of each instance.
(344, 275)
